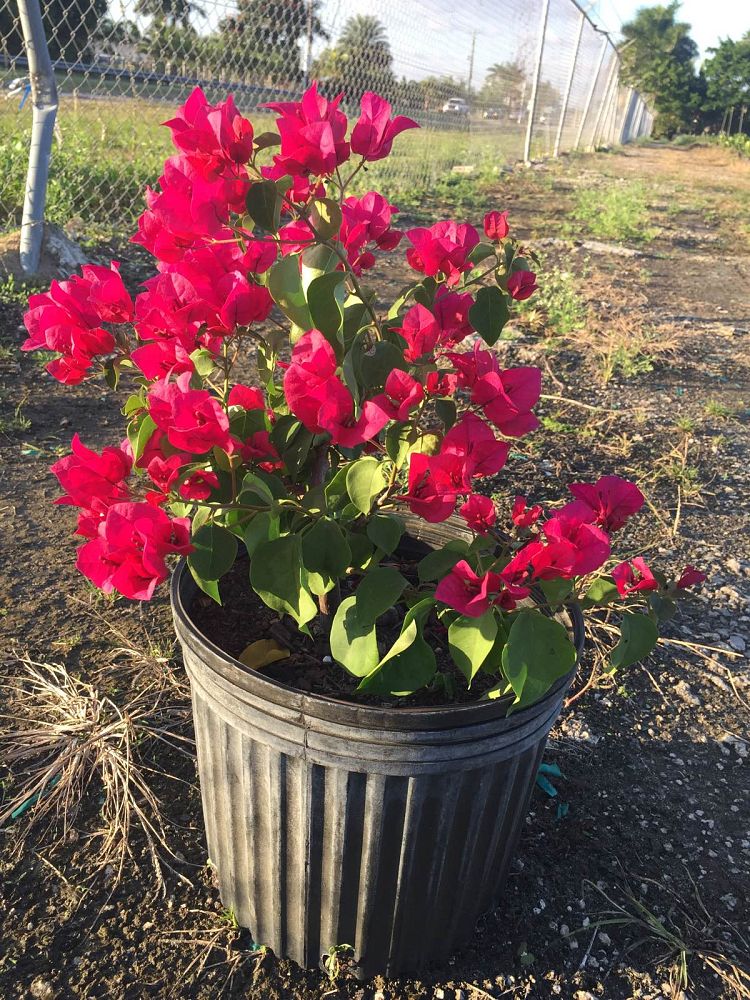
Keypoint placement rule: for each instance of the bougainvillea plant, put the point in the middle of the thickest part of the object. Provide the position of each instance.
(360, 414)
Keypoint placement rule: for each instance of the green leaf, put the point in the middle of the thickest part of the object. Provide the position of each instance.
(292, 441)
(139, 435)
(489, 314)
(352, 366)
(602, 591)
(436, 564)
(364, 481)
(276, 577)
(638, 635)
(353, 642)
(326, 553)
(255, 492)
(265, 140)
(264, 203)
(385, 531)
(410, 662)
(361, 549)
(316, 260)
(470, 641)
(213, 556)
(285, 285)
(204, 361)
(378, 365)
(379, 590)
(326, 217)
(556, 591)
(538, 653)
(133, 404)
(403, 439)
(663, 607)
(481, 252)
(446, 411)
(244, 423)
(262, 527)
(325, 299)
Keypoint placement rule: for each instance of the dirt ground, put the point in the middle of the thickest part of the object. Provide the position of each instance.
(641, 861)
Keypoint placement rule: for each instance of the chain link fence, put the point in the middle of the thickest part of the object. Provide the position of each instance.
(491, 82)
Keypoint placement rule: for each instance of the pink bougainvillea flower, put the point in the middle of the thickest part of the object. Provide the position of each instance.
(591, 544)
(451, 310)
(188, 211)
(403, 393)
(440, 383)
(106, 293)
(524, 516)
(259, 450)
(522, 285)
(66, 321)
(507, 398)
(246, 396)
(212, 136)
(367, 220)
(259, 255)
(318, 397)
(431, 492)
(479, 513)
(193, 420)
(610, 501)
(313, 134)
(631, 577)
(421, 332)
(129, 551)
(303, 186)
(496, 226)
(199, 485)
(374, 131)
(442, 249)
(537, 561)
(472, 440)
(472, 595)
(690, 577)
(164, 472)
(92, 482)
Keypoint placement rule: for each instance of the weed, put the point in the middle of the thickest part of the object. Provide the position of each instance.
(618, 212)
(14, 292)
(716, 409)
(683, 932)
(557, 306)
(18, 422)
(336, 960)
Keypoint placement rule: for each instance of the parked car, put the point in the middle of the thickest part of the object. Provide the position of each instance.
(491, 114)
(456, 106)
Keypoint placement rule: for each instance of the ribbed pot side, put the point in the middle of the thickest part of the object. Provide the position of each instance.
(329, 823)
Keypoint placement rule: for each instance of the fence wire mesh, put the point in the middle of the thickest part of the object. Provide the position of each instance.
(490, 81)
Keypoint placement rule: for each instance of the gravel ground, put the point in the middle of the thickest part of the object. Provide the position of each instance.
(649, 825)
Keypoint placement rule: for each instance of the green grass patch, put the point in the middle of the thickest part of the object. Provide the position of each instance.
(618, 213)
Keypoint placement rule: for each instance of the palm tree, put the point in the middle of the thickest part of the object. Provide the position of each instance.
(361, 59)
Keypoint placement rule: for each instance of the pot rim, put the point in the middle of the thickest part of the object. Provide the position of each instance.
(183, 587)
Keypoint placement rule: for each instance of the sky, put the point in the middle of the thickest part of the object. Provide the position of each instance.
(711, 20)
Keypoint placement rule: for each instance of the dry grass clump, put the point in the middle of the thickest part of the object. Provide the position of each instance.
(681, 931)
(63, 737)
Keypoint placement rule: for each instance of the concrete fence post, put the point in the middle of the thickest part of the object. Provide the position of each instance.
(535, 83)
(44, 103)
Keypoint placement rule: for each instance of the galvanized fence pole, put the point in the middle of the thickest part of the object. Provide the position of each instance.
(44, 102)
(535, 83)
(608, 126)
(626, 117)
(604, 102)
(590, 95)
(568, 86)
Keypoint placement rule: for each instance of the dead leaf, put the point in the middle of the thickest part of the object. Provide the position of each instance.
(262, 652)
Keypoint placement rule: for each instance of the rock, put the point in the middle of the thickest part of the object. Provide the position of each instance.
(605, 939)
(683, 691)
(42, 989)
(737, 643)
(60, 255)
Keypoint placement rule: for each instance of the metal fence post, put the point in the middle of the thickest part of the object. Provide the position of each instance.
(604, 102)
(605, 134)
(571, 74)
(625, 121)
(44, 100)
(535, 83)
(590, 96)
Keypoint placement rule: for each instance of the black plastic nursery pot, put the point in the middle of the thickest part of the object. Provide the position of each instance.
(331, 823)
